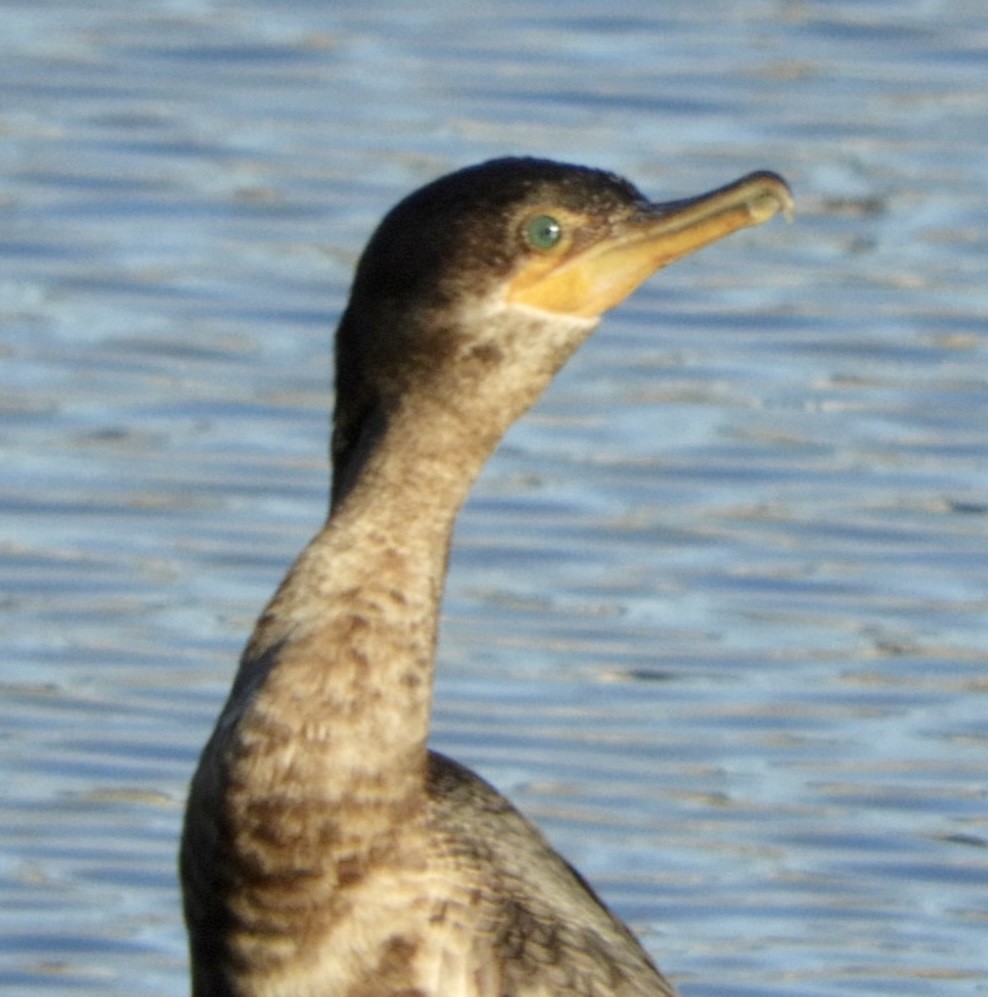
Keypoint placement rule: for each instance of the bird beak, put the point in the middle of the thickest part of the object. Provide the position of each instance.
(593, 278)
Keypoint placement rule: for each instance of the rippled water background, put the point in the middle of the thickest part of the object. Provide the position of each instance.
(717, 612)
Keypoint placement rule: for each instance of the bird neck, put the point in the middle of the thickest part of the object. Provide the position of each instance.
(334, 692)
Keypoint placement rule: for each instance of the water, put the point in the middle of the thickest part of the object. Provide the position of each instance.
(716, 617)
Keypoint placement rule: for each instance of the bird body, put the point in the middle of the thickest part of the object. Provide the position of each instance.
(326, 850)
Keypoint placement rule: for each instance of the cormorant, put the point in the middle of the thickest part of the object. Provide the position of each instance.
(326, 850)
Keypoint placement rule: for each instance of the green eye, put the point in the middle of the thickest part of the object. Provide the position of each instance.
(543, 232)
